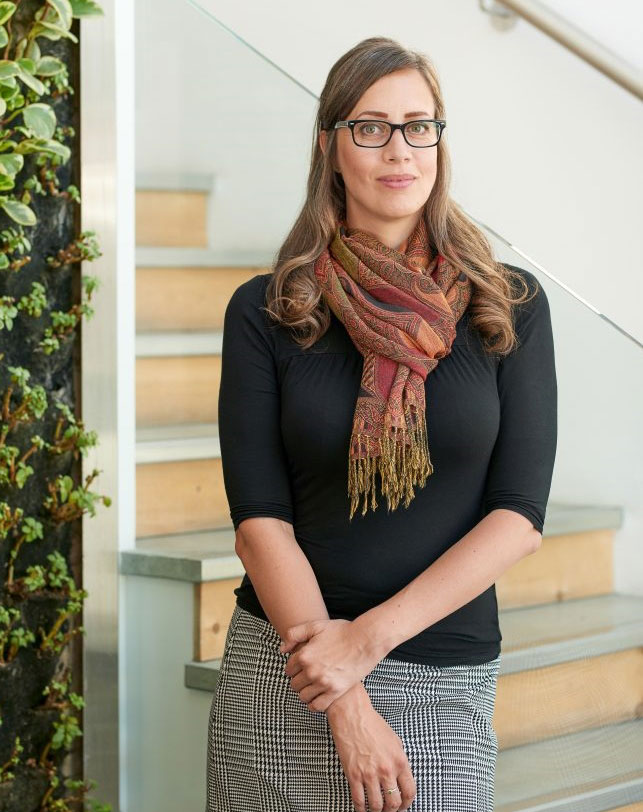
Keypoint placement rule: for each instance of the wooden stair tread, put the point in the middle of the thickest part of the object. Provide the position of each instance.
(550, 633)
(596, 769)
(622, 628)
(165, 343)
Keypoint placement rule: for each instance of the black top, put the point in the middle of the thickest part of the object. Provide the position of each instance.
(285, 419)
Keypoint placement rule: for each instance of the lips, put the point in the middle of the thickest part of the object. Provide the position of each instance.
(396, 181)
(397, 177)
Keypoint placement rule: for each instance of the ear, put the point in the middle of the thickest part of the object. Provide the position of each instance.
(323, 140)
(323, 144)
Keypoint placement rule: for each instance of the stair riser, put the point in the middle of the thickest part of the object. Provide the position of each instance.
(180, 497)
(569, 697)
(178, 390)
(186, 298)
(572, 565)
(171, 218)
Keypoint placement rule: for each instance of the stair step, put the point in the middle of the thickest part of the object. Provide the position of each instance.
(175, 181)
(177, 390)
(150, 256)
(172, 217)
(588, 771)
(186, 298)
(163, 550)
(587, 627)
(188, 441)
(206, 555)
(168, 343)
(540, 636)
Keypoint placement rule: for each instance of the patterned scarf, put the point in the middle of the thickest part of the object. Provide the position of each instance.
(400, 309)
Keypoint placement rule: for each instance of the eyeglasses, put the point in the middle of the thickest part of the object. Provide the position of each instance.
(377, 133)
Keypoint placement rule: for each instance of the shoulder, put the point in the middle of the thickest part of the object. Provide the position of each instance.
(250, 295)
(537, 305)
(245, 322)
(245, 305)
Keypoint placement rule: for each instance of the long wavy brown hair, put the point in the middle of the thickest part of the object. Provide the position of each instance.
(294, 297)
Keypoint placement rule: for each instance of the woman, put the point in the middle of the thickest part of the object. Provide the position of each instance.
(382, 694)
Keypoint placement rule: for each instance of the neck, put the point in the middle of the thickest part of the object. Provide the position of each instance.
(393, 234)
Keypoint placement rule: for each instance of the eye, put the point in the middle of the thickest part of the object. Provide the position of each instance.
(370, 128)
(419, 127)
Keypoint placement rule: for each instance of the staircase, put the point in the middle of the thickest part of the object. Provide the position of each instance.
(570, 691)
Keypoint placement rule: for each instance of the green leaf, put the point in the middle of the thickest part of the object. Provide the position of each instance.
(49, 66)
(35, 84)
(9, 87)
(4, 37)
(63, 9)
(27, 64)
(6, 183)
(40, 119)
(51, 31)
(84, 8)
(3, 106)
(11, 163)
(8, 68)
(30, 145)
(32, 50)
(19, 212)
(6, 10)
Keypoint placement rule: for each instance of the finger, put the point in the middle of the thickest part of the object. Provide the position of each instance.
(300, 633)
(293, 667)
(300, 682)
(391, 799)
(408, 788)
(374, 790)
(290, 637)
(357, 794)
(311, 694)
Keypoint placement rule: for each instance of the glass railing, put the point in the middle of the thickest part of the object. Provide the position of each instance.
(224, 140)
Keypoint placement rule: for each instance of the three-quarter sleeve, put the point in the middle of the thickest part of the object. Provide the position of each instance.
(522, 462)
(255, 471)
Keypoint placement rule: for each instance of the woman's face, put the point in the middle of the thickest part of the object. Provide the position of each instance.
(398, 97)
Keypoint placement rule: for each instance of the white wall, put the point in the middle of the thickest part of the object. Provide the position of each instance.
(617, 25)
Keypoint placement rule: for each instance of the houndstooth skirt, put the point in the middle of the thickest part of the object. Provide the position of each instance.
(267, 752)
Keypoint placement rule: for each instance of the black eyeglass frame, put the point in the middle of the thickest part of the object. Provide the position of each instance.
(351, 125)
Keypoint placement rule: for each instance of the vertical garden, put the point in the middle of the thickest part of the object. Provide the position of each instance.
(44, 297)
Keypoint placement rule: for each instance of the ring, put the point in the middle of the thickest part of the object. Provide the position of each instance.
(397, 789)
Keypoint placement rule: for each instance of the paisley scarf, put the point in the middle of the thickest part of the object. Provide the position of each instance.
(400, 308)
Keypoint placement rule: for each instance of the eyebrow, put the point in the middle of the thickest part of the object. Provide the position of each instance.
(385, 115)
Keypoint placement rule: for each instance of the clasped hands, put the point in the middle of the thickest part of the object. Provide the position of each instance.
(335, 657)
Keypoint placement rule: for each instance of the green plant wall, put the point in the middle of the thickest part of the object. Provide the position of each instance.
(43, 299)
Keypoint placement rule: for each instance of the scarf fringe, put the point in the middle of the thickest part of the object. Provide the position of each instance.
(399, 468)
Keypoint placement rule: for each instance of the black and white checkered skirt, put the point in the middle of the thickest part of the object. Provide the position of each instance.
(267, 752)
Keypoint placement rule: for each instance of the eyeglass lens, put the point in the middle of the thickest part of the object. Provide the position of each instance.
(377, 133)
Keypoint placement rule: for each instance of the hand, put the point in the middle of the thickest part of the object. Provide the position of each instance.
(371, 753)
(334, 657)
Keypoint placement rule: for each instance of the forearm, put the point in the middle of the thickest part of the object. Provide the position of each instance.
(280, 573)
(464, 571)
(285, 582)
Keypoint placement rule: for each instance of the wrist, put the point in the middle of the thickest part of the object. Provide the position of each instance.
(355, 699)
(375, 637)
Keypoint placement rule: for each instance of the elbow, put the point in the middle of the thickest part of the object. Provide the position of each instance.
(238, 541)
(536, 539)
(260, 530)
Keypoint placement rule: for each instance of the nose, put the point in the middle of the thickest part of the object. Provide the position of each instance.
(397, 146)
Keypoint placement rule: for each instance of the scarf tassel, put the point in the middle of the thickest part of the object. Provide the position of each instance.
(399, 470)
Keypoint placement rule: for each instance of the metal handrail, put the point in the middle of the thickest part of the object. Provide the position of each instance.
(573, 38)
